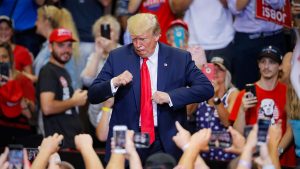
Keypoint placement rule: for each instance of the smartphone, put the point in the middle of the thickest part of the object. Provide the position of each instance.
(178, 36)
(251, 88)
(119, 136)
(220, 139)
(141, 140)
(15, 156)
(105, 31)
(263, 127)
(209, 70)
(4, 71)
(247, 130)
(32, 153)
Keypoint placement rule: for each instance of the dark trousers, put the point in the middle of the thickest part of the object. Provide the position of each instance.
(246, 49)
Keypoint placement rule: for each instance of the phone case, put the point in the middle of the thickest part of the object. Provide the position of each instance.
(178, 36)
(105, 31)
(250, 88)
(209, 71)
(119, 135)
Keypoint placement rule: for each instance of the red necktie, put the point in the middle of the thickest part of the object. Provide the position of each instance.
(147, 121)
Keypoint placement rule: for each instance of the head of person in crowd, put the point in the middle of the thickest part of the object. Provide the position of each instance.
(160, 160)
(222, 75)
(269, 61)
(106, 31)
(61, 45)
(285, 68)
(6, 29)
(6, 63)
(145, 32)
(178, 34)
(50, 17)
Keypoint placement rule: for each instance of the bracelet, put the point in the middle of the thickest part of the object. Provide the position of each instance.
(268, 166)
(245, 163)
(185, 146)
(106, 109)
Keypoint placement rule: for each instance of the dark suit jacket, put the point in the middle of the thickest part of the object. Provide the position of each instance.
(176, 71)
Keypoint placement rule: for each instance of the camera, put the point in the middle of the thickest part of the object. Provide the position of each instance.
(251, 88)
(119, 136)
(15, 156)
(141, 140)
(105, 31)
(220, 139)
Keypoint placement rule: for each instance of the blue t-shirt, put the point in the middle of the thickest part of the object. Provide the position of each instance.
(295, 124)
(24, 14)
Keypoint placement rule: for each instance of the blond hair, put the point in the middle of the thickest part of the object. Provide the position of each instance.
(292, 105)
(60, 18)
(107, 19)
(142, 23)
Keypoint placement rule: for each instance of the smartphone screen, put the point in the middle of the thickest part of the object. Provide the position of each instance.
(209, 71)
(220, 139)
(141, 140)
(178, 36)
(119, 136)
(15, 156)
(32, 153)
(251, 88)
(263, 127)
(105, 31)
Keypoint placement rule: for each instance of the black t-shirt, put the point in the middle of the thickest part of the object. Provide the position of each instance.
(53, 78)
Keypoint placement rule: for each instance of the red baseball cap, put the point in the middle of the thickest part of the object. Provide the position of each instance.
(61, 35)
(178, 22)
(10, 99)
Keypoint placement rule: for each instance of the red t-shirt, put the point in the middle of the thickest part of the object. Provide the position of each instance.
(270, 104)
(22, 57)
(163, 12)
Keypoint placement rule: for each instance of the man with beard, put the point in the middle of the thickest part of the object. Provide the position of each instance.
(270, 94)
(57, 98)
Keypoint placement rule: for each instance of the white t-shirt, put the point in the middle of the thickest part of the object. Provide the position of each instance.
(210, 24)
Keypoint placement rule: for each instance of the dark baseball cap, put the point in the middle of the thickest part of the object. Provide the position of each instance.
(271, 52)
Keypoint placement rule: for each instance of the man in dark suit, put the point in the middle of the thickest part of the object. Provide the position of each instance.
(174, 82)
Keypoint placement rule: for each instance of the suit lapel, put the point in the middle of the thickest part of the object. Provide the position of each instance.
(134, 68)
(162, 68)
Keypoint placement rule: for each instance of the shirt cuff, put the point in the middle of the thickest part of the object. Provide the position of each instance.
(113, 88)
(170, 103)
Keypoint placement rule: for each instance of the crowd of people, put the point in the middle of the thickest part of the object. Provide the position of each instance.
(209, 83)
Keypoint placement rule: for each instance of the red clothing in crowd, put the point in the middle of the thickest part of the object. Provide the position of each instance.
(163, 12)
(22, 57)
(276, 98)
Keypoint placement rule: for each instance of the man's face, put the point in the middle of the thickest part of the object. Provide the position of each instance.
(5, 32)
(145, 44)
(61, 51)
(268, 68)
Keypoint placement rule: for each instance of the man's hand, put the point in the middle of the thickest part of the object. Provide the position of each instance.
(83, 141)
(161, 97)
(50, 144)
(123, 79)
(182, 138)
(79, 97)
(238, 142)
(248, 101)
(200, 139)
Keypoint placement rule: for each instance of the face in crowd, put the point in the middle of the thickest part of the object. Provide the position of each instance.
(61, 51)
(268, 68)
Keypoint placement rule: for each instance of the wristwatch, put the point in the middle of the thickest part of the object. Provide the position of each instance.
(216, 101)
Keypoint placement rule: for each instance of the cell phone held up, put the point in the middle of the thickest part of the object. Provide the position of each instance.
(15, 156)
(119, 136)
(141, 140)
(220, 139)
(105, 30)
(209, 71)
(250, 88)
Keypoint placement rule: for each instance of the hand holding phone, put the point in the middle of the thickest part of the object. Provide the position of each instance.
(105, 30)
(119, 136)
(209, 71)
(15, 156)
